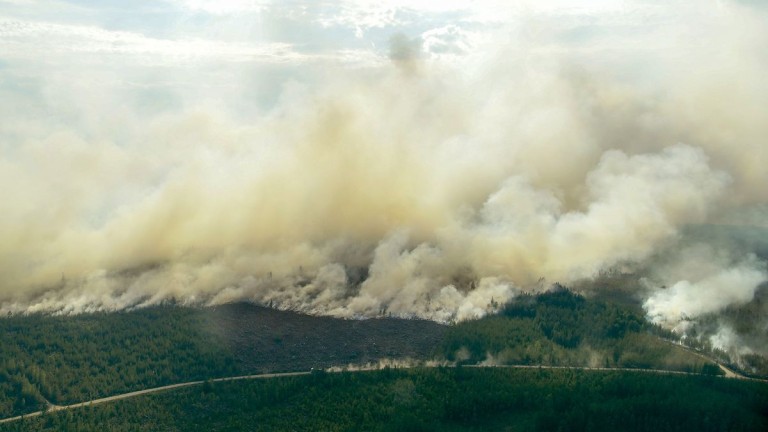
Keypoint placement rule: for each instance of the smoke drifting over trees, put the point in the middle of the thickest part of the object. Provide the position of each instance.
(432, 190)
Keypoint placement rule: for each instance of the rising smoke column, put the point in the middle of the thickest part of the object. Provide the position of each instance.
(420, 186)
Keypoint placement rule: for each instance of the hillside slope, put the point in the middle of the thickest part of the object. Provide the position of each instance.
(70, 359)
(67, 359)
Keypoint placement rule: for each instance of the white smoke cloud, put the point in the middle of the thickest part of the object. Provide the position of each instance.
(689, 299)
(726, 339)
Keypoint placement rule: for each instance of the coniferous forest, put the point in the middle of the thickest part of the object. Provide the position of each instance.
(66, 360)
(435, 399)
(69, 359)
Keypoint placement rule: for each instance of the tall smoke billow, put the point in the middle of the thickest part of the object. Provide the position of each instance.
(434, 177)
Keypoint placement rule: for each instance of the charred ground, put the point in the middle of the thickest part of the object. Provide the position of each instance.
(267, 340)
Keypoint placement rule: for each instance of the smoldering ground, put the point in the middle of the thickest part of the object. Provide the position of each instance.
(435, 188)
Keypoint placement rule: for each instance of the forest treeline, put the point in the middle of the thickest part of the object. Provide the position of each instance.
(71, 359)
(435, 399)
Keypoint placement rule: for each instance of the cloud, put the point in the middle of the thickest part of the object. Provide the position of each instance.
(449, 40)
(222, 7)
(29, 40)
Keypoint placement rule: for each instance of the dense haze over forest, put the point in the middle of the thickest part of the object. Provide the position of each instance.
(355, 158)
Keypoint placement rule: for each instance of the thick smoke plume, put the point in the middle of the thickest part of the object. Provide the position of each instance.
(428, 186)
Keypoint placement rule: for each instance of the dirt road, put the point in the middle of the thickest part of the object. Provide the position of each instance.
(53, 408)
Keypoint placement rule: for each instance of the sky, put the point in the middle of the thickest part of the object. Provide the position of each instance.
(348, 158)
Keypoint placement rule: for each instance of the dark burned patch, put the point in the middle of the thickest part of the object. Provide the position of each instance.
(464, 279)
(356, 275)
(265, 339)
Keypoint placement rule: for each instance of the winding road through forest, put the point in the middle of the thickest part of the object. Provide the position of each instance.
(53, 408)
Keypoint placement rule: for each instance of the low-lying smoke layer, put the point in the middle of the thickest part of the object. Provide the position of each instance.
(436, 189)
